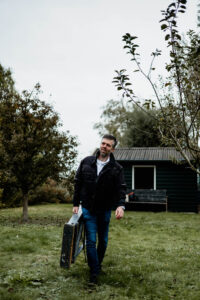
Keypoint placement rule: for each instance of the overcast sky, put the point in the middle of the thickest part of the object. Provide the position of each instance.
(72, 47)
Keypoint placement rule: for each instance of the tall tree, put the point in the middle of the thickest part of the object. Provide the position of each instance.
(142, 130)
(114, 119)
(179, 119)
(131, 125)
(32, 148)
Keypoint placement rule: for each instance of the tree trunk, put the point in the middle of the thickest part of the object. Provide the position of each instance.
(25, 208)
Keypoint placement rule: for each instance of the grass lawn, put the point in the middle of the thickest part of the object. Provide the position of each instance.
(150, 256)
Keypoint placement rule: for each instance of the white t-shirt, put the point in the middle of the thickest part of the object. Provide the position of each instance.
(101, 164)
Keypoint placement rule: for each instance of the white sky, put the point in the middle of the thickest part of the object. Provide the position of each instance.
(72, 47)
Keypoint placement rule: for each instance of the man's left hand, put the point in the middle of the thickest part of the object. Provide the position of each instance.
(119, 213)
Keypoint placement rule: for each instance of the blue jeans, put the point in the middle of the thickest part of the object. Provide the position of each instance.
(96, 224)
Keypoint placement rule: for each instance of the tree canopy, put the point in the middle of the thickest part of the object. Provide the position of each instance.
(32, 146)
(132, 126)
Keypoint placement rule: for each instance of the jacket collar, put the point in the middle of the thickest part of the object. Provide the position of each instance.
(112, 158)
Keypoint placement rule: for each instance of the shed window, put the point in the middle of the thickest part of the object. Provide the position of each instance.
(144, 177)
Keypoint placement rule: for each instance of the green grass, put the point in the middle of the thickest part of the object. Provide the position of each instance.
(150, 256)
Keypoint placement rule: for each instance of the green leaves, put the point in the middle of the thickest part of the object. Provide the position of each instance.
(164, 26)
(122, 82)
(157, 52)
(129, 44)
(170, 16)
(32, 147)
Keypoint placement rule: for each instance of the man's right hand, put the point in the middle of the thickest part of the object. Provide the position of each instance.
(75, 209)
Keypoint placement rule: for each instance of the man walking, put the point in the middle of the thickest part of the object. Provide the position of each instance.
(99, 187)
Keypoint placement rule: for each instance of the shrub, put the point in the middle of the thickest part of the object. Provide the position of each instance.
(50, 192)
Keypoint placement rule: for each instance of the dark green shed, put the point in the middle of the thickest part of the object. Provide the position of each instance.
(153, 168)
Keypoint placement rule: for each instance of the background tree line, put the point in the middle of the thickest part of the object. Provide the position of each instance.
(36, 157)
(131, 125)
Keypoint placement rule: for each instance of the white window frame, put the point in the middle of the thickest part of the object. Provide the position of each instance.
(143, 166)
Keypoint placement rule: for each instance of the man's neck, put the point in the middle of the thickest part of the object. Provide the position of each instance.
(103, 158)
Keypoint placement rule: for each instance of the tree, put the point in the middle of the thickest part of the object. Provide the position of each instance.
(114, 119)
(32, 148)
(179, 119)
(142, 130)
(131, 126)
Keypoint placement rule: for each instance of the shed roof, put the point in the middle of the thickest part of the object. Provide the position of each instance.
(148, 154)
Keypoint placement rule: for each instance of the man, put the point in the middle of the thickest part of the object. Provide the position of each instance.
(99, 187)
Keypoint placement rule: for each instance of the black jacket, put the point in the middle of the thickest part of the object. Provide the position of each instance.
(103, 192)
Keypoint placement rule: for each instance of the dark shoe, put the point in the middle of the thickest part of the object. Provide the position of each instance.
(93, 279)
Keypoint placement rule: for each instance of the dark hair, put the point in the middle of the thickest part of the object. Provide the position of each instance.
(110, 137)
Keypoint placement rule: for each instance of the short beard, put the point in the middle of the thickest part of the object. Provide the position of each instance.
(104, 154)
